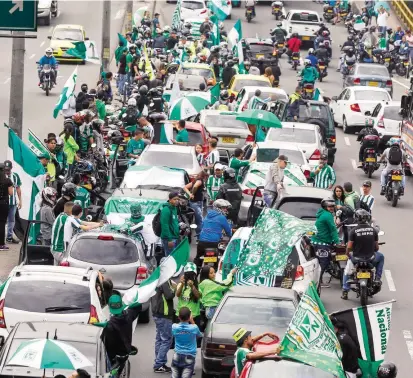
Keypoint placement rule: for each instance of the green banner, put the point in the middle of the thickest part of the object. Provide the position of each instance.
(122, 205)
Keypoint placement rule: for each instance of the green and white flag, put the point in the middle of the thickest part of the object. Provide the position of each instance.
(36, 145)
(219, 8)
(176, 17)
(215, 91)
(369, 327)
(310, 337)
(167, 133)
(85, 50)
(31, 173)
(67, 92)
(215, 35)
(175, 92)
(170, 266)
(234, 42)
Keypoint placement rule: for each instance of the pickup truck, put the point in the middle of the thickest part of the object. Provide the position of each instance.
(303, 22)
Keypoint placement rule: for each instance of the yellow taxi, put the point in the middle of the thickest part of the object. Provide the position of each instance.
(199, 69)
(62, 40)
(240, 81)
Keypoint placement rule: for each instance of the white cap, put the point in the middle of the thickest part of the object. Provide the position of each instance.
(218, 166)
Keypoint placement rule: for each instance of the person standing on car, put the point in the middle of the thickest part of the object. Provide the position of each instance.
(182, 136)
(274, 179)
(323, 175)
(231, 191)
(6, 191)
(170, 223)
(46, 214)
(15, 200)
(237, 163)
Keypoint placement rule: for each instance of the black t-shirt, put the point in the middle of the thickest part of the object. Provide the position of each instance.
(350, 355)
(364, 238)
(4, 190)
(171, 42)
(60, 206)
(122, 65)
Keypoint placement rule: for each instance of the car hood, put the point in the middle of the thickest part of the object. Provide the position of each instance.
(222, 130)
(57, 43)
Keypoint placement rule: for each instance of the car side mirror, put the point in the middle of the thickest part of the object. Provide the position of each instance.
(334, 98)
(368, 113)
(49, 37)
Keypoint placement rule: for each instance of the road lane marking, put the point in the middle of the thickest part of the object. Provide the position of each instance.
(354, 164)
(389, 279)
(409, 344)
(42, 44)
(119, 14)
(407, 334)
(347, 141)
(32, 56)
(51, 29)
(7, 80)
(403, 85)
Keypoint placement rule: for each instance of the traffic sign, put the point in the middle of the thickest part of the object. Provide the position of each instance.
(18, 15)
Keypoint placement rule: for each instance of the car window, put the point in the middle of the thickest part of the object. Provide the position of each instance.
(372, 95)
(347, 95)
(194, 136)
(305, 17)
(372, 70)
(305, 208)
(47, 297)
(292, 135)
(104, 252)
(392, 112)
(192, 5)
(268, 155)
(197, 72)
(273, 96)
(376, 110)
(189, 82)
(241, 83)
(260, 48)
(167, 159)
(262, 311)
(68, 34)
(227, 121)
(342, 94)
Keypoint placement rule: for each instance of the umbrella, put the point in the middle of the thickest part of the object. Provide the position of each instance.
(186, 107)
(138, 16)
(48, 354)
(199, 94)
(260, 118)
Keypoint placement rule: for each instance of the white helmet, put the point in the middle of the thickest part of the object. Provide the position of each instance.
(223, 44)
(311, 51)
(49, 51)
(132, 102)
(222, 206)
(49, 195)
(167, 28)
(307, 62)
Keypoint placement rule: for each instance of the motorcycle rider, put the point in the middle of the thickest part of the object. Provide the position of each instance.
(228, 73)
(309, 74)
(394, 157)
(251, 3)
(279, 33)
(130, 116)
(368, 130)
(387, 370)
(312, 58)
(159, 41)
(326, 235)
(322, 53)
(50, 60)
(364, 243)
(223, 101)
(347, 44)
(369, 37)
(213, 225)
(214, 182)
(293, 45)
(81, 97)
(322, 29)
(172, 40)
(68, 194)
(206, 26)
(232, 192)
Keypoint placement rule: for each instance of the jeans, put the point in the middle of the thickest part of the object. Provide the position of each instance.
(121, 83)
(378, 263)
(11, 218)
(210, 312)
(383, 29)
(163, 340)
(323, 253)
(183, 365)
(197, 207)
(383, 177)
(166, 249)
(268, 198)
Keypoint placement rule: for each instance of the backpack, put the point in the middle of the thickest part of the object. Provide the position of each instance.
(131, 117)
(361, 205)
(395, 156)
(156, 224)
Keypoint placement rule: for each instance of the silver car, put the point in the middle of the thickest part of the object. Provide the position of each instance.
(231, 133)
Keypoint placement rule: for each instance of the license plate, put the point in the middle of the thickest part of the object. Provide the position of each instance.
(120, 148)
(210, 259)
(276, 9)
(258, 56)
(406, 63)
(363, 275)
(127, 139)
(370, 160)
(329, 11)
(341, 258)
(321, 67)
(373, 84)
(228, 140)
(281, 45)
(308, 90)
(396, 178)
(306, 38)
(387, 59)
(295, 57)
(249, 11)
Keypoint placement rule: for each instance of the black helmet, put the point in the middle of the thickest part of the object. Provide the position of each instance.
(84, 88)
(143, 90)
(363, 216)
(350, 38)
(224, 95)
(84, 166)
(69, 190)
(116, 137)
(229, 173)
(230, 63)
(387, 370)
(326, 202)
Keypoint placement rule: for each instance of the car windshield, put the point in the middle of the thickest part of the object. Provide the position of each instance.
(392, 112)
(314, 111)
(197, 72)
(305, 17)
(68, 34)
(274, 313)
(47, 296)
(241, 83)
(189, 82)
(104, 252)
(292, 135)
(285, 368)
(268, 155)
(194, 137)
(273, 96)
(372, 70)
(372, 95)
(226, 121)
(260, 48)
(302, 208)
(167, 159)
(192, 5)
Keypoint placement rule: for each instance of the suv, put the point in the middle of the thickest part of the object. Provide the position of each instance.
(318, 113)
(51, 293)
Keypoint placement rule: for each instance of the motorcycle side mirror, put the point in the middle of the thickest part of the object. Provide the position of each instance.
(89, 218)
(381, 233)
(193, 226)
(368, 113)
(334, 98)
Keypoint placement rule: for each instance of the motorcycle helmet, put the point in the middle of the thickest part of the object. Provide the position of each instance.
(136, 210)
(387, 370)
(311, 51)
(84, 88)
(143, 90)
(224, 95)
(350, 60)
(321, 44)
(69, 190)
(84, 166)
(229, 173)
(138, 44)
(167, 29)
(49, 195)
(325, 33)
(116, 137)
(230, 63)
(247, 63)
(49, 52)
(326, 202)
(279, 24)
(321, 24)
(222, 206)
(307, 62)
(394, 140)
(294, 35)
(362, 216)
(132, 102)
(187, 25)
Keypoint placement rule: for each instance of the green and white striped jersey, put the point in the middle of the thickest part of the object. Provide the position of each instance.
(212, 186)
(324, 178)
(57, 242)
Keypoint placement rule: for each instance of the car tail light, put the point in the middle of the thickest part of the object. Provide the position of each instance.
(307, 174)
(394, 172)
(141, 274)
(370, 151)
(250, 138)
(93, 318)
(316, 155)
(389, 83)
(2, 320)
(355, 107)
(214, 349)
(299, 273)
(356, 81)
(105, 237)
(228, 2)
(204, 11)
(64, 263)
(210, 253)
(250, 192)
(380, 123)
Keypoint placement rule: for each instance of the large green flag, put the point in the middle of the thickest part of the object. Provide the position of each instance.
(215, 35)
(67, 92)
(310, 337)
(176, 17)
(234, 42)
(215, 91)
(85, 50)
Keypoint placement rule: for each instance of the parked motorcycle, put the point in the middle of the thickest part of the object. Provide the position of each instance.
(328, 13)
(394, 186)
(402, 65)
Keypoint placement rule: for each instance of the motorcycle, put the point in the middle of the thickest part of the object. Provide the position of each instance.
(276, 9)
(308, 91)
(47, 83)
(393, 189)
(212, 255)
(328, 13)
(338, 263)
(122, 365)
(295, 60)
(402, 65)
(370, 154)
(249, 13)
(322, 67)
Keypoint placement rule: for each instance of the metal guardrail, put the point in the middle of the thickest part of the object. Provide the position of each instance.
(404, 13)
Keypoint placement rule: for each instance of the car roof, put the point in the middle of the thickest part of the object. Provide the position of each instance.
(49, 270)
(363, 88)
(305, 192)
(298, 125)
(302, 11)
(278, 144)
(266, 41)
(94, 234)
(252, 88)
(69, 26)
(262, 292)
(197, 65)
(216, 111)
(390, 103)
(250, 77)
(170, 148)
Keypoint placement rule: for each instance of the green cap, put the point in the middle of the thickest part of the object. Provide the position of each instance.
(190, 267)
(240, 335)
(116, 305)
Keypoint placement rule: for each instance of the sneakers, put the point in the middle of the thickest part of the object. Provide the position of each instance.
(383, 190)
(12, 241)
(163, 369)
(4, 248)
(344, 295)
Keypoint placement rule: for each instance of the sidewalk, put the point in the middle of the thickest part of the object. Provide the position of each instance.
(8, 260)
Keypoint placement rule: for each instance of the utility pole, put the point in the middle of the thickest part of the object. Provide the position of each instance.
(106, 9)
(17, 84)
(129, 13)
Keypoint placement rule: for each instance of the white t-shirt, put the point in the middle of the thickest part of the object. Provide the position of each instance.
(71, 224)
(382, 19)
(212, 158)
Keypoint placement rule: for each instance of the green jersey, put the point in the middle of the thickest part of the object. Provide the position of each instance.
(15, 179)
(57, 242)
(237, 164)
(325, 178)
(83, 199)
(135, 147)
(240, 358)
(84, 137)
(182, 136)
(129, 59)
(259, 135)
(212, 186)
(185, 301)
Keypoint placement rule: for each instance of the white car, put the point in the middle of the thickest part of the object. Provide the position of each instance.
(172, 156)
(51, 293)
(303, 22)
(303, 135)
(269, 94)
(195, 9)
(386, 119)
(350, 106)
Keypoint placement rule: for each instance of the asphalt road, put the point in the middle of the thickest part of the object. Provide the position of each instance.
(394, 221)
